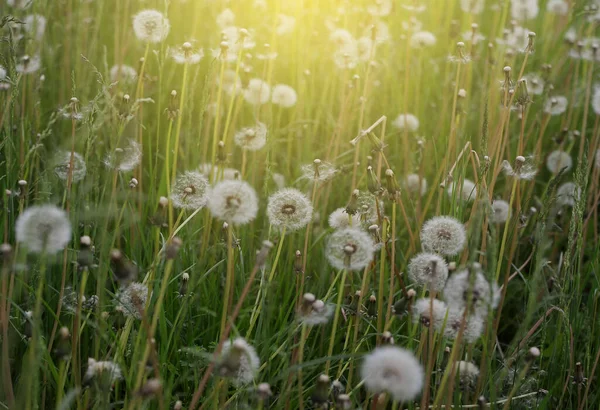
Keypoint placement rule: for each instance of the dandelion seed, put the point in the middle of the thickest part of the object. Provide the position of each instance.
(35, 25)
(238, 361)
(124, 159)
(313, 311)
(422, 39)
(226, 18)
(524, 9)
(340, 219)
(559, 160)
(251, 138)
(568, 194)
(233, 201)
(470, 288)
(131, 300)
(429, 312)
(556, 105)
(319, 171)
(370, 208)
(151, 26)
(284, 96)
(406, 122)
(461, 57)
(257, 92)
(29, 64)
(62, 165)
(466, 193)
(415, 184)
(43, 229)
(19, 4)
(186, 54)
(190, 191)
(471, 325)
(393, 370)
(289, 208)
(500, 211)
(123, 73)
(444, 235)
(524, 168)
(102, 373)
(350, 248)
(285, 24)
(428, 269)
(535, 84)
(468, 374)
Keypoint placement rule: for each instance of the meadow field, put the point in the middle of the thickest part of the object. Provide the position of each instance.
(299, 204)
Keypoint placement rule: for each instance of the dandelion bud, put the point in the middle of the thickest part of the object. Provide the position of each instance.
(163, 202)
(579, 377)
(133, 183)
(85, 258)
(530, 42)
(178, 405)
(387, 338)
(221, 154)
(151, 388)
(22, 183)
(63, 348)
(173, 247)
(352, 207)
(261, 257)
(337, 388)
(533, 353)
(452, 266)
(462, 93)
(343, 402)
(224, 46)
(372, 306)
(372, 182)
(126, 98)
(6, 252)
(124, 270)
(307, 301)
(263, 391)
(482, 402)
(400, 307)
(28, 324)
(321, 392)
(392, 185)
(183, 286)
(298, 262)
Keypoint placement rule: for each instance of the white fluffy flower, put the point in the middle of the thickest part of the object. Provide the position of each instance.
(131, 300)
(43, 229)
(469, 287)
(284, 96)
(233, 201)
(314, 311)
(557, 160)
(62, 164)
(556, 105)
(290, 209)
(428, 312)
(151, 26)
(124, 159)
(500, 211)
(339, 219)
(428, 269)
(524, 9)
(406, 121)
(379, 8)
(29, 64)
(103, 371)
(468, 374)
(257, 92)
(186, 54)
(415, 184)
(596, 100)
(422, 39)
(472, 6)
(350, 248)
(466, 192)
(226, 18)
(444, 235)
(35, 25)
(251, 138)
(123, 73)
(559, 7)
(535, 84)
(285, 24)
(567, 194)
(393, 370)
(190, 191)
(472, 325)
(238, 361)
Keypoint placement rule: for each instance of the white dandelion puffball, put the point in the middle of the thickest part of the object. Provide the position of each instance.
(62, 164)
(466, 192)
(535, 84)
(314, 312)
(43, 229)
(560, 7)
(556, 105)
(104, 370)
(218, 173)
(596, 100)
(151, 26)
(251, 138)
(190, 191)
(19, 4)
(429, 312)
(226, 18)
(472, 6)
(231, 83)
(238, 361)
(557, 160)
(290, 209)
(350, 248)
(472, 325)
(285, 24)
(284, 96)
(35, 25)
(380, 8)
(29, 64)
(124, 159)
(186, 55)
(257, 92)
(131, 300)
(233, 201)
(2, 73)
(500, 211)
(521, 10)
(406, 122)
(567, 194)
(467, 374)
(444, 235)
(340, 219)
(415, 184)
(428, 269)
(422, 39)
(393, 370)
(469, 287)
(123, 73)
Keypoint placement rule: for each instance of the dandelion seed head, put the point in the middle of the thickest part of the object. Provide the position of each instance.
(131, 300)
(392, 370)
(105, 372)
(319, 172)
(43, 229)
(472, 328)
(29, 64)
(429, 312)
(558, 7)
(522, 10)
(190, 191)
(239, 361)
(379, 8)
(233, 201)
(535, 84)
(151, 26)
(289, 208)
(62, 164)
(500, 211)
(257, 92)
(558, 160)
(284, 96)
(406, 122)
(35, 25)
(251, 138)
(340, 219)
(350, 248)
(185, 54)
(226, 18)
(567, 194)
(472, 6)
(428, 269)
(444, 235)
(556, 105)
(422, 39)
(470, 288)
(466, 192)
(124, 159)
(468, 373)
(415, 184)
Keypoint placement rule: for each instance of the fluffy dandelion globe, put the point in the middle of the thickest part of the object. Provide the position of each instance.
(556, 105)
(289, 209)
(340, 219)
(190, 191)
(226, 18)
(468, 373)
(350, 248)
(43, 229)
(313, 311)
(124, 159)
(422, 39)
(444, 235)
(104, 372)
(284, 96)
(500, 211)
(392, 370)
(29, 64)
(62, 165)
(407, 122)
(470, 288)
(380, 8)
(231, 83)
(472, 6)
(457, 321)
(524, 10)
(238, 362)
(318, 171)
(558, 160)
(233, 201)
(535, 84)
(131, 300)
(429, 312)
(35, 25)
(123, 73)
(257, 92)
(251, 138)
(568, 194)
(218, 173)
(415, 184)
(596, 100)
(186, 54)
(151, 26)
(428, 269)
(465, 192)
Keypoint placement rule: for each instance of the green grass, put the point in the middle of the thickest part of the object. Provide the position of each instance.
(550, 253)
